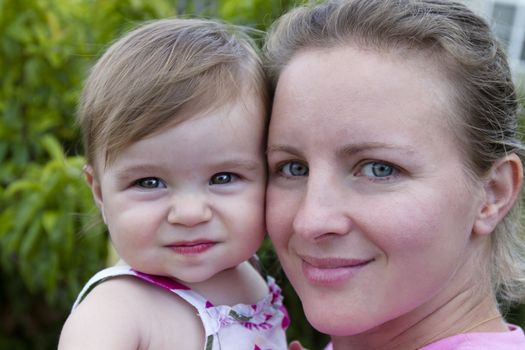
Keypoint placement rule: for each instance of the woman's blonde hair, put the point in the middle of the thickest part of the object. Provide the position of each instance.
(486, 106)
(162, 73)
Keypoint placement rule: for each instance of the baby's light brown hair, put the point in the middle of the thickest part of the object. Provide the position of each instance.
(160, 74)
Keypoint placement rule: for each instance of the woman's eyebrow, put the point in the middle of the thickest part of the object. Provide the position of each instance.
(349, 149)
(281, 148)
(355, 148)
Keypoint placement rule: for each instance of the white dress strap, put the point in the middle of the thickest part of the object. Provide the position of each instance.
(196, 300)
(101, 276)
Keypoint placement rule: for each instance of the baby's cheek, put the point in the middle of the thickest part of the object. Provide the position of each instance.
(135, 223)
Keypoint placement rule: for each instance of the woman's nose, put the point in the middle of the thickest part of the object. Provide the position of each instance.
(189, 210)
(323, 210)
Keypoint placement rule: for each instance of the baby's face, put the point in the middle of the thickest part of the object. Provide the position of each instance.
(188, 202)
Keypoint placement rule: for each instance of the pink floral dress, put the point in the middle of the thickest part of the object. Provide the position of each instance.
(259, 326)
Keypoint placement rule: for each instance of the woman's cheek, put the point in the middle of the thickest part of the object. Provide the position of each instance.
(279, 215)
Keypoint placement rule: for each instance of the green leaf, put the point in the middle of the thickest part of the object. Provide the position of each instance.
(23, 185)
(49, 221)
(53, 148)
(25, 214)
(28, 245)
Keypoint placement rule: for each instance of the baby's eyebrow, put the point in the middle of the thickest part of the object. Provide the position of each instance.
(239, 164)
(132, 171)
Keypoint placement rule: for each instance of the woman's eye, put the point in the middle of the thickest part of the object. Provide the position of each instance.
(377, 169)
(222, 178)
(291, 169)
(150, 182)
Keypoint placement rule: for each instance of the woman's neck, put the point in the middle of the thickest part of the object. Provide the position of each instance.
(464, 312)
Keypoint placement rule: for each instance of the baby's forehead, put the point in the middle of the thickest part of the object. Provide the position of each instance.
(242, 114)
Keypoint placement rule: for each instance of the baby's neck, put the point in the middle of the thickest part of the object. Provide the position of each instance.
(242, 284)
(239, 285)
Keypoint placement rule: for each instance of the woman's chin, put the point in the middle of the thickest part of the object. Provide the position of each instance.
(334, 323)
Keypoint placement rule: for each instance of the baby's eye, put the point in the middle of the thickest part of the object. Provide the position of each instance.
(377, 169)
(294, 168)
(150, 182)
(222, 178)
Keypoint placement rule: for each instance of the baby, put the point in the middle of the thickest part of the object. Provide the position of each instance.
(174, 117)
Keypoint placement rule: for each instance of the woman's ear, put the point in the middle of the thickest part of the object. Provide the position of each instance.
(501, 189)
(96, 189)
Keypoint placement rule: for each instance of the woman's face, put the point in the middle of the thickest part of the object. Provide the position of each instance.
(368, 204)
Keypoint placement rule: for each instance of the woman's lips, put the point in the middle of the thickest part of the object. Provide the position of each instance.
(191, 247)
(327, 271)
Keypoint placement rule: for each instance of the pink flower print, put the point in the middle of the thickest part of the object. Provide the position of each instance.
(251, 325)
(224, 321)
(161, 281)
(286, 318)
(276, 296)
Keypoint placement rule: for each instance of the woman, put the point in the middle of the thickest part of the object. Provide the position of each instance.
(395, 174)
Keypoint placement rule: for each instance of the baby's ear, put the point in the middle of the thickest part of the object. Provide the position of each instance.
(501, 189)
(96, 190)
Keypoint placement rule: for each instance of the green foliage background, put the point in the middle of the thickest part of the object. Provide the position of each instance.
(50, 242)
